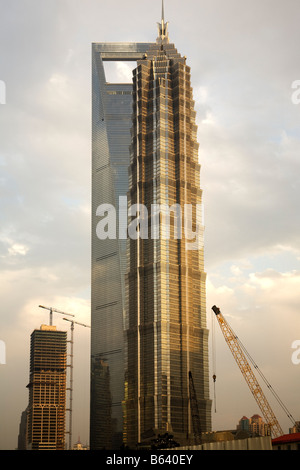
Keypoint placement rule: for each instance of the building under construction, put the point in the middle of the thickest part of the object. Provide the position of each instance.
(47, 389)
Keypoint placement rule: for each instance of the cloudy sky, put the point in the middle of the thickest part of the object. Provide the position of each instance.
(244, 58)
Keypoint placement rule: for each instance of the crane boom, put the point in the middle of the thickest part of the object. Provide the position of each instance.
(248, 374)
(77, 323)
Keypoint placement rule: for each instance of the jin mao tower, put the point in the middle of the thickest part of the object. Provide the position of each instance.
(166, 332)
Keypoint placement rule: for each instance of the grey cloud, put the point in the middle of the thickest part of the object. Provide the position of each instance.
(244, 55)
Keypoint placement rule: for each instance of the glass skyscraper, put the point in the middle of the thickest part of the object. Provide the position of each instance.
(111, 124)
(148, 282)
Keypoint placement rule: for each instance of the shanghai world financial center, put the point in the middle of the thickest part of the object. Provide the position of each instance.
(149, 333)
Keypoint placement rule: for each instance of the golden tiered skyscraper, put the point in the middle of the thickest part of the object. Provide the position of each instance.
(165, 324)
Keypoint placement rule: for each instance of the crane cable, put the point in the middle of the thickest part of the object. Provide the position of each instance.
(214, 360)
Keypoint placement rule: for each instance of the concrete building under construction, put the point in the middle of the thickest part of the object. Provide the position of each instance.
(47, 389)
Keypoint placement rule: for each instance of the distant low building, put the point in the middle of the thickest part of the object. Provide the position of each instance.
(287, 442)
(244, 424)
(295, 428)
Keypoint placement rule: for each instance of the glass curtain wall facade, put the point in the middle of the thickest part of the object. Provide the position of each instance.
(166, 306)
(47, 389)
(111, 124)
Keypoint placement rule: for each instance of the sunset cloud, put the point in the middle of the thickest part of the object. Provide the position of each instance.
(244, 60)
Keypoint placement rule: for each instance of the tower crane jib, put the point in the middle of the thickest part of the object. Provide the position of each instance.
(51, 309)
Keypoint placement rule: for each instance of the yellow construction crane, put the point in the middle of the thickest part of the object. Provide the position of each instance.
(239, 354)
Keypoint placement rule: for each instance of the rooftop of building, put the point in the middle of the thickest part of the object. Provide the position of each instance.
(287, 438)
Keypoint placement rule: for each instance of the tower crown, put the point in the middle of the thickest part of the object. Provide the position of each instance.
(163, 35)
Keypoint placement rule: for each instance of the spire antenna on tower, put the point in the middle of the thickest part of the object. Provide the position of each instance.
(163, 27)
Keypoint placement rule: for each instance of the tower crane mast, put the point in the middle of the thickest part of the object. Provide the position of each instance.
(238, 354)
(71, 375)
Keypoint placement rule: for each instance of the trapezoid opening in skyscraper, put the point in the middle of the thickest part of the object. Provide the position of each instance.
(149, 333)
